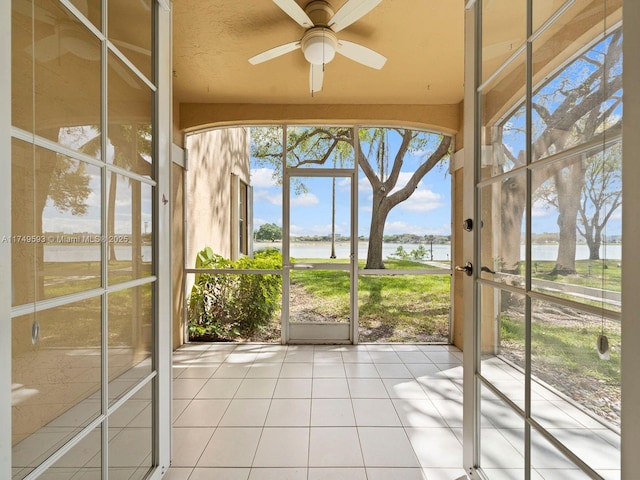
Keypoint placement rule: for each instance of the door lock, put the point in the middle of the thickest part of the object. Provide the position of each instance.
(466, 268)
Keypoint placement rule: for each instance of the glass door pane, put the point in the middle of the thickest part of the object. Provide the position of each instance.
(548, 278)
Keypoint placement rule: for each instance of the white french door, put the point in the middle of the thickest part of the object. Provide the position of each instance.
(543, 339)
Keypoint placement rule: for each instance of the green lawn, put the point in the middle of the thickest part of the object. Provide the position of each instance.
(606, 274)
(392, 308)
(564, 355)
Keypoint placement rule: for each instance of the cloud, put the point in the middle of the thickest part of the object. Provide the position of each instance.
(343, 184)
(399, 227)
(305, 200)
(257, 222)
(262, 177)
(617, 215)
(541, 208)
(298, 230)
(264, 195)
(403, 178)
(422, 201)
(73, 224)
(363, 185)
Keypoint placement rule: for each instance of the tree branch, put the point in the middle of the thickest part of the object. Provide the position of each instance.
(406, 191)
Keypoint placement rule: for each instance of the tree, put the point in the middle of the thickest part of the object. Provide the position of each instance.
(384, 181)
(43, 177)
(318, 145)
(269, 232)
(601, 196)
(577, 105)
(131, 144)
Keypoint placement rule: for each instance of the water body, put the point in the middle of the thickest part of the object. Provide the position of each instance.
(90, 253)
(441, 252)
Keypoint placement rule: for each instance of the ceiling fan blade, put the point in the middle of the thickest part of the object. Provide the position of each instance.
(316, 76)
(291, 8)
(131, 47)
(125, 75)
(352, 11)
(361, 54)
(47, 49)
(274, 52)
(24, 7)
(81, 47)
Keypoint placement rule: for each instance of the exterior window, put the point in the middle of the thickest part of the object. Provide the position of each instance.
(243, 217)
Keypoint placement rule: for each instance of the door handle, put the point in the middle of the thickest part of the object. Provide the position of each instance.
(466, 268)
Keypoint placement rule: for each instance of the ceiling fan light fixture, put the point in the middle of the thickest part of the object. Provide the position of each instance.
(319, 43)
(319, 46)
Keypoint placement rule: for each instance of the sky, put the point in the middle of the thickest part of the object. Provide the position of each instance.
(426, 212)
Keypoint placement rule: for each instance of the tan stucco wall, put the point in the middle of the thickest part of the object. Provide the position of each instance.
(213, 156)
(177, 134)
(441, 118)
(177, 253)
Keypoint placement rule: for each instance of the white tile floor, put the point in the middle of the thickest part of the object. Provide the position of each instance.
(371, 412)
(368, 412)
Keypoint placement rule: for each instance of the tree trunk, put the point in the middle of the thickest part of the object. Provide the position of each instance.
(376, 232)
(513, 200)
(569, 187)
(594, 245)
(111, 215)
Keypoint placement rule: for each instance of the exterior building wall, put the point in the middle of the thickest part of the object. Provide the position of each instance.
(216, 161)
(213, 157)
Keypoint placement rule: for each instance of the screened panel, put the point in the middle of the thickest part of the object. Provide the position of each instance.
(131, 31)
(129, 224)
(579, 103)
(56, 378)
(504, 30)
(130, 109)
(502, 236)
(502, 332)
(504, 133)
(66, 79)
(130, 433)
(320, 147)
(501, 438)
(130, 338)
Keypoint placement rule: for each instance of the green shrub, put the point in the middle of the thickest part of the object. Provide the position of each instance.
(223, 306)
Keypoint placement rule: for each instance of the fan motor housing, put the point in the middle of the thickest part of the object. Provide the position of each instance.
(319, 45)
(319, 12)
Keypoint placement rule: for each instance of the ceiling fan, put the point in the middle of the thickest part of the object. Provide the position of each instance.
(319, 43)
(67, 38)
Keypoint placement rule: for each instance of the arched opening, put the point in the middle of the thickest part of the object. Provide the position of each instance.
(359, 219)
